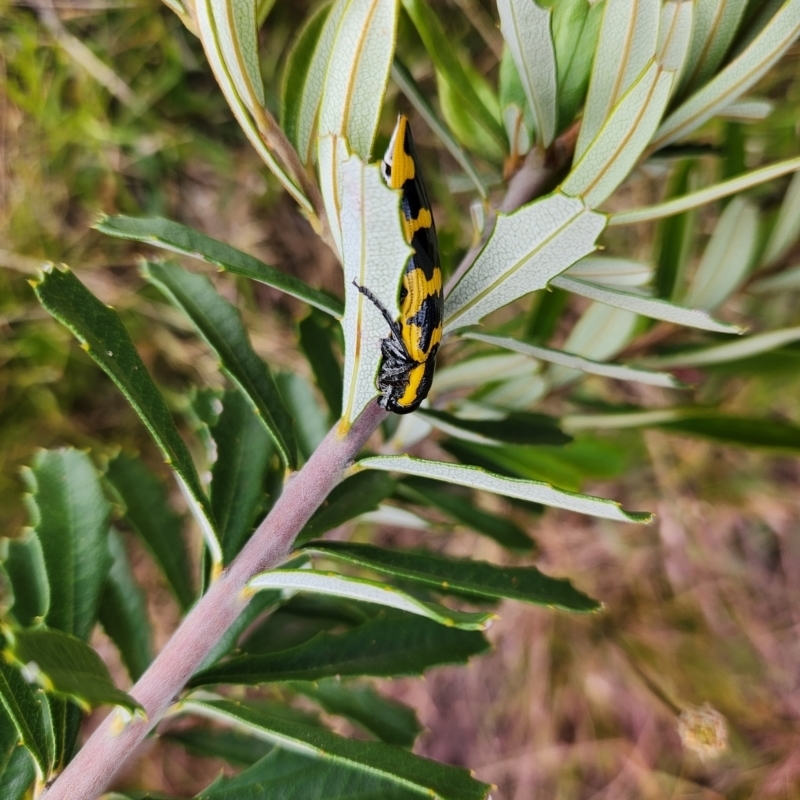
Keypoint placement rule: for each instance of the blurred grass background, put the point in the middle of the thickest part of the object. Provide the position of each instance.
(108, 106)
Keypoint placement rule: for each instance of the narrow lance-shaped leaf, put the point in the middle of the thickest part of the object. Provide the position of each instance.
(526, 29)
(375, 253)
(18, 773)
(646, 306)
(736, 78)
(399, 769)
(391, 644)
(623, 137)
(315, 339)
(628, 37)
(24, 706)
(460, 575)
(187, 241)
(329, 583)
(787, 226)
(611, 271)
(707, 195)
(219, 323)
(105, 339)
(747, 110)
(532, 491)
(67, 666)
(358, 72)
(148, 512)
(727, 257)
(525, 251)
(565, 359)
(674, 35)
(788, 279)
(70, 517)
(675, 236)
(26, 569)
(514, 109)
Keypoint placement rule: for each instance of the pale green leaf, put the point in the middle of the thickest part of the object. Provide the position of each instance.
(611, 271)
(482, 370)
(374, 254)
(727, 258)
(357, 73)
(646, 306)
(745, 347)
(514, 109)
(674, 34)
(532, 491)
(788, 279)
(622, 138)
(715, 24)
(572, 361)
(332, 152)
(526, 29)
(787, 226)
(628, 37)
(366, 591)
(747, 110)
(525, 251)
(707, 195)
(736, 78)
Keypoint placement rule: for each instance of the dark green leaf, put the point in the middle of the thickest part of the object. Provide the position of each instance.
(123, 611)
(316, 337)
(545, 314)
(67, 666)
(288, 775)
(148, 512)
(233, 746)
(461, 575)
(405, 770)
(393, 643)
(66, 718)
(220, 325)
(358, 494)
(675, 237)
(70, 517)
(745, 431)
(390, 721)
(310, 420)
(448, 65)
(104, 337)
(24, 707)
(26, 570)
(237, 478)
(517, 427)
(187, 241)
(460, 506)
(17, 775)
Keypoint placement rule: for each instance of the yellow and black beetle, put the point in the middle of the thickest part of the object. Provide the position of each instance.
(409, 351)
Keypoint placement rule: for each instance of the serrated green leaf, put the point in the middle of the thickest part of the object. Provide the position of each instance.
(105, 339)
(123, 612)
(564, 359)
(707, 195)
(786, 230)
(397, 766)
(727, 258)
(315, 341)
(462, 509)
(623, 136)
(628, 37)
(70, 517)
(611, 271)
(525, 251)
(460, 575)
(148, 512)
(374, 255)
(24, 706)
(516, 427)
(736, 78)
(715, 24)
(220, 325)
(26, 569)
(351, 498)
(532, 491)
(402, 76)
(449, 66)
(187, 241)
(305, 64)
(244, 450)
(357, 73)
(67, 666)
(646, 306)
(390, 721)
(526, 29)
(745, 347)
(363, 590)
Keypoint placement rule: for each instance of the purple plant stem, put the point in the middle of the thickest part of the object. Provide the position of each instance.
(108, 749)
